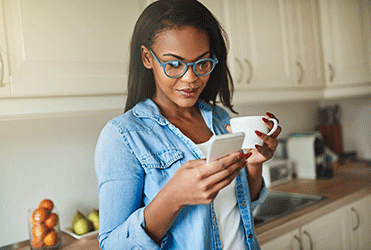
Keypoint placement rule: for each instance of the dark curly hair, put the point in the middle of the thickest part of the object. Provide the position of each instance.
(172, 14)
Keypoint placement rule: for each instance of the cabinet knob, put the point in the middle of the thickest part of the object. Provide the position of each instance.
(299, 240)
(239, 79)
(302, 72)
(251, 70)
(310, 239)
(332, 72)
(1, 70)
(358, 218)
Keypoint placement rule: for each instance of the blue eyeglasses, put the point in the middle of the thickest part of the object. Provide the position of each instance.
(177, 68)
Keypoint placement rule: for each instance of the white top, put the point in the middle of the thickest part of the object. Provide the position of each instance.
(228, 214)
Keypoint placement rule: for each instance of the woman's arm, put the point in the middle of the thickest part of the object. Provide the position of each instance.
(259, 155)
(193, 183)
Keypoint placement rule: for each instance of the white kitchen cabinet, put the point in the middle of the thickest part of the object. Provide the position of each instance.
(360, 223)
(4, 56)
(69, 48)
(288, 241)
(348, 227)
(346, 37)
(260, 44)
(304, 32)
(327, 232)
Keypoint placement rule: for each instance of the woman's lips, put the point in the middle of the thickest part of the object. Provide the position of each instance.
(188, 93)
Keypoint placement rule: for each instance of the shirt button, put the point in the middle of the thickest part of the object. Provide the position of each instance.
(250, 236)
(243, 204)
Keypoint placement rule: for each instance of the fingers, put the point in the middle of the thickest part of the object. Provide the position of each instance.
(226, 166)
(270, 124)
(228, 127)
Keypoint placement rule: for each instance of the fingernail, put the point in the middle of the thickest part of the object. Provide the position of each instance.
(226, 125)
(248, 155)
(258, 133)
(240, 155)
(257, 146)
(265, 120)
(269, 114)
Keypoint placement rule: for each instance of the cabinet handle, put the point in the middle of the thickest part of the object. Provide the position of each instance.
(299, 240)
(302, 72)
(358, 218)
(1, 70)
(251, 70)
(310, 239)
(241, 70)
(332, 72)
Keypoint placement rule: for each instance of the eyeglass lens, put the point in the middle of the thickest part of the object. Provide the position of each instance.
(177, 68)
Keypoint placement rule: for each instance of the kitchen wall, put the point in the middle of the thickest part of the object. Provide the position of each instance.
(355, 121)
(50, 157)
(53, 157)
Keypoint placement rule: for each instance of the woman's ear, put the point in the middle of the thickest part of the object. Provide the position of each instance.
(146, 57)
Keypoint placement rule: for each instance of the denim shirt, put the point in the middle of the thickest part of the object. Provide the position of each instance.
(136, 155)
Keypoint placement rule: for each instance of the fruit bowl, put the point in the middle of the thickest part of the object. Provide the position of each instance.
(69, 231)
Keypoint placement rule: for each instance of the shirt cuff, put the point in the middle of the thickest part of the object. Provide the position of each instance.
(138, 234)
(262, 196)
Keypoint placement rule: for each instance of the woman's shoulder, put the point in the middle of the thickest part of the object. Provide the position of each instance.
(135, 118)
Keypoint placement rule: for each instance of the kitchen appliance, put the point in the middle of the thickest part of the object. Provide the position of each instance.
(307, 151)
(277, 172)
(281, 152)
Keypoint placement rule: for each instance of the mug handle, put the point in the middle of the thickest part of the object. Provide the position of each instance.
(275, 126)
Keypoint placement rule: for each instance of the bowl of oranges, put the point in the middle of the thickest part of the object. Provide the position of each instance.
(44, 228)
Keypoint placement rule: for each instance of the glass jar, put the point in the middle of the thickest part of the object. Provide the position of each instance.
(44, 229)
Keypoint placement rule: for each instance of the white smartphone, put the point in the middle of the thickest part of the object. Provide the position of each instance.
(222, 145)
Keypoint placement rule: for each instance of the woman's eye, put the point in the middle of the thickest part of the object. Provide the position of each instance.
(174, 64)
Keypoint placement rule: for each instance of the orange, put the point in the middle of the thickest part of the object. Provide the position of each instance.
(51, 221)
(39, 230)
(51, 238)
(37, 243)
(48, 204)
(40, 215)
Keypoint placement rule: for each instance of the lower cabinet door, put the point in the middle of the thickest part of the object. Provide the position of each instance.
(327, 232)
(288, 241)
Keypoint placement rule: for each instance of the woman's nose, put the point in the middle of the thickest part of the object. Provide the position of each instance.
(189, 75)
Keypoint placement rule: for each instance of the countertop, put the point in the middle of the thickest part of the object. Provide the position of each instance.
(351, 182)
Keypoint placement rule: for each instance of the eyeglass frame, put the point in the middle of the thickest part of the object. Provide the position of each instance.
(163, 65)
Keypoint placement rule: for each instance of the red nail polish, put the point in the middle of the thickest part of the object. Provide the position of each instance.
(265, 120)
(269, 114)
(248, 155)
(257, 146)
(258, 133)
(240, 155)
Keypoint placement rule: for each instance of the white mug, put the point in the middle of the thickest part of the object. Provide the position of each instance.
(248, 125)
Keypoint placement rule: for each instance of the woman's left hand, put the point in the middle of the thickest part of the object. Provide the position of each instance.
(263, 153)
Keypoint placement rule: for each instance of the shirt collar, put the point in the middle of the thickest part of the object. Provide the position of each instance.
(148, 109)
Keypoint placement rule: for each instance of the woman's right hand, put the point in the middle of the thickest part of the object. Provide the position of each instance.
(195, 182)
(198, 182)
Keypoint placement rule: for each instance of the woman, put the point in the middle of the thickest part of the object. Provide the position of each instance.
(155, 189)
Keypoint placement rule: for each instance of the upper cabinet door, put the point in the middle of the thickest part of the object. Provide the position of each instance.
(70, 47)
(304, 39)
(4, 56)
(346, 35)
(260, 44)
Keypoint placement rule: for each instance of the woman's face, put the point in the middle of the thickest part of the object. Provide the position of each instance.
(187, 44)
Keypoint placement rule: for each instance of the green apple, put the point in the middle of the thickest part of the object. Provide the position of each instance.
(82, 226)
(94, 218)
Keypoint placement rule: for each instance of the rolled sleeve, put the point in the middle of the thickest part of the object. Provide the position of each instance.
(262, 196)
